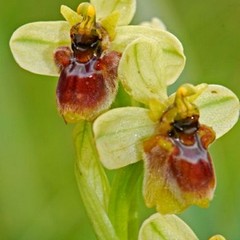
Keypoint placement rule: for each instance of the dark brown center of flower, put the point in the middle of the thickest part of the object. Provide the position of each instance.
(85, 45)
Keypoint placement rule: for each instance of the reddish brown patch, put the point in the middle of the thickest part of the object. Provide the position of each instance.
(88, 87)
(62, 57)
(81, 86)
(193, 177)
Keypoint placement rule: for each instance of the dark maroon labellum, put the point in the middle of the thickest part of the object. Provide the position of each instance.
(190, 161)
(179, 167)
(88, 79)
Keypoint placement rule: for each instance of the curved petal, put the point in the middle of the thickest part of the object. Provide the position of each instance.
(118, 135)
(219, 108)
(161, 227)
(33, 44)
(125, 8)
(172, 51)
(146, 68)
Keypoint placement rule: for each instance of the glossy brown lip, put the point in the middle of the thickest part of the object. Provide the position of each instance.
(81, 86)
(88, 76)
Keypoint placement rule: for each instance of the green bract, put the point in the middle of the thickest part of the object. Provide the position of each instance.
(162, 227)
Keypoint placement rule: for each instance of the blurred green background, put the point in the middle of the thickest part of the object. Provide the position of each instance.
(39, 198)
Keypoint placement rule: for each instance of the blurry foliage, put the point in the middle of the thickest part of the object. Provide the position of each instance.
(38, 193)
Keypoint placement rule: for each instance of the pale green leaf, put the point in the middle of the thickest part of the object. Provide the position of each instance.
(33, 45)
(165, 227)
(146, 68)
(122, 209)
(126, 9)
(219, 108)
(92, 181)
(119, 134)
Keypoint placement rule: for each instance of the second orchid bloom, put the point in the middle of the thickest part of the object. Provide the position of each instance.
(171, 136)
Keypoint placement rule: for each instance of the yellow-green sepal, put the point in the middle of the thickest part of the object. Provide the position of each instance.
(33, 45)
(119, 134)
(149, 64)
(219, 108)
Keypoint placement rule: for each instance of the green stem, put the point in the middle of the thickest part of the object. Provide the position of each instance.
(123, 201)
(92, 182)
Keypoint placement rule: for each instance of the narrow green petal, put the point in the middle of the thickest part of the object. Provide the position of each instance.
(33, 44)
(165, 227)
(172, 51)
(219, 108)
(126, 9)
(109, 23)
(146, 68)
(119, 134)
(71, 16)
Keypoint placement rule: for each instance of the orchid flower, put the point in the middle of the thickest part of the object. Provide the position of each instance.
(171, 134)
(84, 51)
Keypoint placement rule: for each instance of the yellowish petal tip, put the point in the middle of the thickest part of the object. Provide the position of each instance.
(86, 9)
(217, 237)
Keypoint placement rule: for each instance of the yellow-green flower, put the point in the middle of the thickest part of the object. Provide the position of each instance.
(172, 136)
(88, 44)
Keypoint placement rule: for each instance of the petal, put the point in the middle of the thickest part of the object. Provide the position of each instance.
(161, 227)
(146, 68)
(71, 16)
(172, 51)
(119, 134)
(33, 44)
(125, 8)
(219, 108)
(109, 23)
(141, 72)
